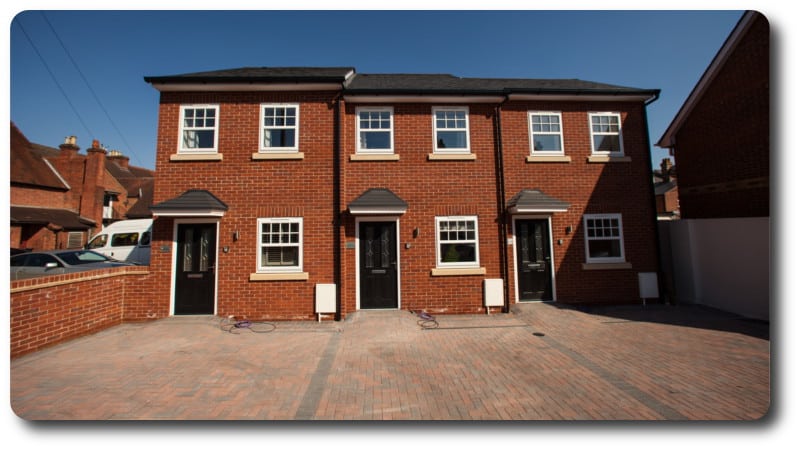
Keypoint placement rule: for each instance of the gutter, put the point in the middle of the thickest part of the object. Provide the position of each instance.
(337, 204)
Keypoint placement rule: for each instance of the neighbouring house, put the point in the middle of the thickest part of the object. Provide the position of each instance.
(720, 140)
(60, 197)
(283, 193)
(665, 185)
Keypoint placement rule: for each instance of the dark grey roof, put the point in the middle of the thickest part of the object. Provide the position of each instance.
(664, 187)
(449, 84)
(192, 200)
(534, 199)
(408, 84)
(69, 220)
(260, 74)
(378, 198)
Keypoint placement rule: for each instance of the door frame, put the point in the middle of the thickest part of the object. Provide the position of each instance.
(396, 221)
(549, 219)
(175, 224)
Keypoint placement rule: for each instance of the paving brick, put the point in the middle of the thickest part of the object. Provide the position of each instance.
(608, 363)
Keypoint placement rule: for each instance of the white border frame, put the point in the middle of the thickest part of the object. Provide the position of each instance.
(205, 151)
(446, 151)
(175, 224)
(534, 153)
(279, 269)
(472, 265)
(369, 151)
(396, 221)
(621, 151)
(621, 258)
(552, 254)
(261, 128)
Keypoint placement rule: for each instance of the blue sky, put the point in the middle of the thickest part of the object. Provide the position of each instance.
(109, 52)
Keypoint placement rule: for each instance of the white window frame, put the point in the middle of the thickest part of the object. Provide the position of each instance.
(375, 151)
(447, 265)
(263, 129)
(592, 133)
(259, 245)
(436, 129)
(587, 239)
(182, 128)
(560, 133)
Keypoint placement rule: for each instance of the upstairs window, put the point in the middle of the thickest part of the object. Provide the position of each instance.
(606, 133)
(374, 129)
(279, 127)
(199, 125)
(451, 130)
(546, 133)
(604, 243)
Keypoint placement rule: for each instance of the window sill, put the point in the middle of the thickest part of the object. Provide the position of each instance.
(608, 159)
(452, 157)
(548, 159)
(438, 272)
(288, 276)
(195, 157)
(277, 155)
(374, 157)
(607, 266)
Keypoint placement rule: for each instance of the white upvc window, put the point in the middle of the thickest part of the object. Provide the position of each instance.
(457, 242)
(604, 241)
(199, 129)
(280, 245)
(546, 133)
(375, 130)
(279, 127)
(606, 131)
(450, 129)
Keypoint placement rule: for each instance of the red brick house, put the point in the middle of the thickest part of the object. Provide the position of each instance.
(724, 160)
(60, 197)
(665, 184)
(720, 140)
(287, 192)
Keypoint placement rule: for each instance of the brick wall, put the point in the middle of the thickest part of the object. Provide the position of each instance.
(48, 310)
(252, 189)
(723, 149)
(431, 188)
(589, 188)
(304, 188)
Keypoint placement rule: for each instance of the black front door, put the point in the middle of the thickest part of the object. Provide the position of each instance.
(194, 269)
(378, 261)
(533, 260)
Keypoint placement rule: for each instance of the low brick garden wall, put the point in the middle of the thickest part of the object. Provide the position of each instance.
(53, 309)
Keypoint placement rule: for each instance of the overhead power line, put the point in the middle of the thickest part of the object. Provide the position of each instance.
(88, 85)
(55, 80)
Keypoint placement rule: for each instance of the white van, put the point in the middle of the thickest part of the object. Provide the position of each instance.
(126, 240)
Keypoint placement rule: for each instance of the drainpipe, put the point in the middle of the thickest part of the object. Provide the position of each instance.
(337, 202)
(654, 215)
(501, 201)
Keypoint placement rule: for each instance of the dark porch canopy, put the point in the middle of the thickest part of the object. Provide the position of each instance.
(378, 201)
(535, 201)
(192, 203)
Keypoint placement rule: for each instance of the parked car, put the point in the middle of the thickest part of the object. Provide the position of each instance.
(126, 240)
(54, 262)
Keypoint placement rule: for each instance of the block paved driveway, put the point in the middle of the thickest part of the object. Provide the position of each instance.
(539, 362)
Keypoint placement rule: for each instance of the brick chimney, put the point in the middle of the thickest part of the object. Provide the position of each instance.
(666, 165)
(118, 158)
(69, 149)
(93, 181)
